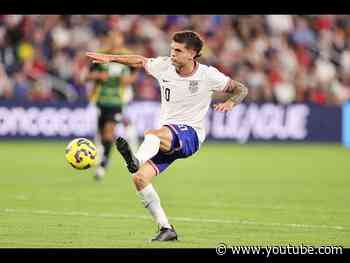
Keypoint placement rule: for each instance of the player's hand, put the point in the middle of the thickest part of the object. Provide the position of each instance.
(97, 57)
(224, 106)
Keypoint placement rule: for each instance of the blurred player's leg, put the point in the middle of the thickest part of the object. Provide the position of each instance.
(131, 134)
(99, 147)
(100, 171)
(106, 142)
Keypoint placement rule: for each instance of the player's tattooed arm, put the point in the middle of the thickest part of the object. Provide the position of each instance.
(238, 91)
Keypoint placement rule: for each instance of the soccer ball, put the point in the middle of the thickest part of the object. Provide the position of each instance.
(81, 153)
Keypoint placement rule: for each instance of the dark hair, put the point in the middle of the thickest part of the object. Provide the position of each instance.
(191, 39)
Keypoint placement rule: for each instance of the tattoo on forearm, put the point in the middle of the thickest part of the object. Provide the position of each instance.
(238, 91)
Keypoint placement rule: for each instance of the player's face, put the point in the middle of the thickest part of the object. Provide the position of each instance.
(180, 55)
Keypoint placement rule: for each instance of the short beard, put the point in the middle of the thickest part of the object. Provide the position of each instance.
(178, 67)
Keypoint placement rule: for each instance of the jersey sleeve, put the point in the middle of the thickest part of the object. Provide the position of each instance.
(216, 80)
(155, 66)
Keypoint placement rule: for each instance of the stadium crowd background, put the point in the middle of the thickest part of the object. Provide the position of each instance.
(281, 58)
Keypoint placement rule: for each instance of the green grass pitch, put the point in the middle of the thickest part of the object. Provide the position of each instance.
(256, 194)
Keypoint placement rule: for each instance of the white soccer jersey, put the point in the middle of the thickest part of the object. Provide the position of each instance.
(185, 100)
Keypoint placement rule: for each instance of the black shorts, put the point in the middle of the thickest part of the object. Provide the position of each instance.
(109, 114)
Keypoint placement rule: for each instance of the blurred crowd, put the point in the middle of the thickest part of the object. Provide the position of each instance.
(281, 58)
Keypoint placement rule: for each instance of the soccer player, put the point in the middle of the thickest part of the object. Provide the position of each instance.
(111, 80)
(186, 91)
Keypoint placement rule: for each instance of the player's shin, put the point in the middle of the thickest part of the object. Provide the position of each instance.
(150, 199)
(148, 148)
(107, 145)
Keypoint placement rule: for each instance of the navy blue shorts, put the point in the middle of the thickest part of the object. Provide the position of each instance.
(184, 144)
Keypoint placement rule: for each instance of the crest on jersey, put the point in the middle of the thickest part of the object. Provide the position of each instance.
(193, 87)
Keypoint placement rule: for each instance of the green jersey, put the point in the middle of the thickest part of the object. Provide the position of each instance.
(110, 92)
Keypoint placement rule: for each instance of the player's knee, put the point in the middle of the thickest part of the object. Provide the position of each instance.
(148, 132)
(140, 181)
(108, 134)
(151, 132)
(108, 137)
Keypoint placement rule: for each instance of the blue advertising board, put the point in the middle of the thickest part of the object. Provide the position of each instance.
(346, 125)
(246, 123)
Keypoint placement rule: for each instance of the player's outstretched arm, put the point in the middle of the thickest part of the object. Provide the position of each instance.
(237, 92)
(135, 61)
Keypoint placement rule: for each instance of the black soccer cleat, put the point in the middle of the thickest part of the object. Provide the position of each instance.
(166, 234)
(132, 163)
